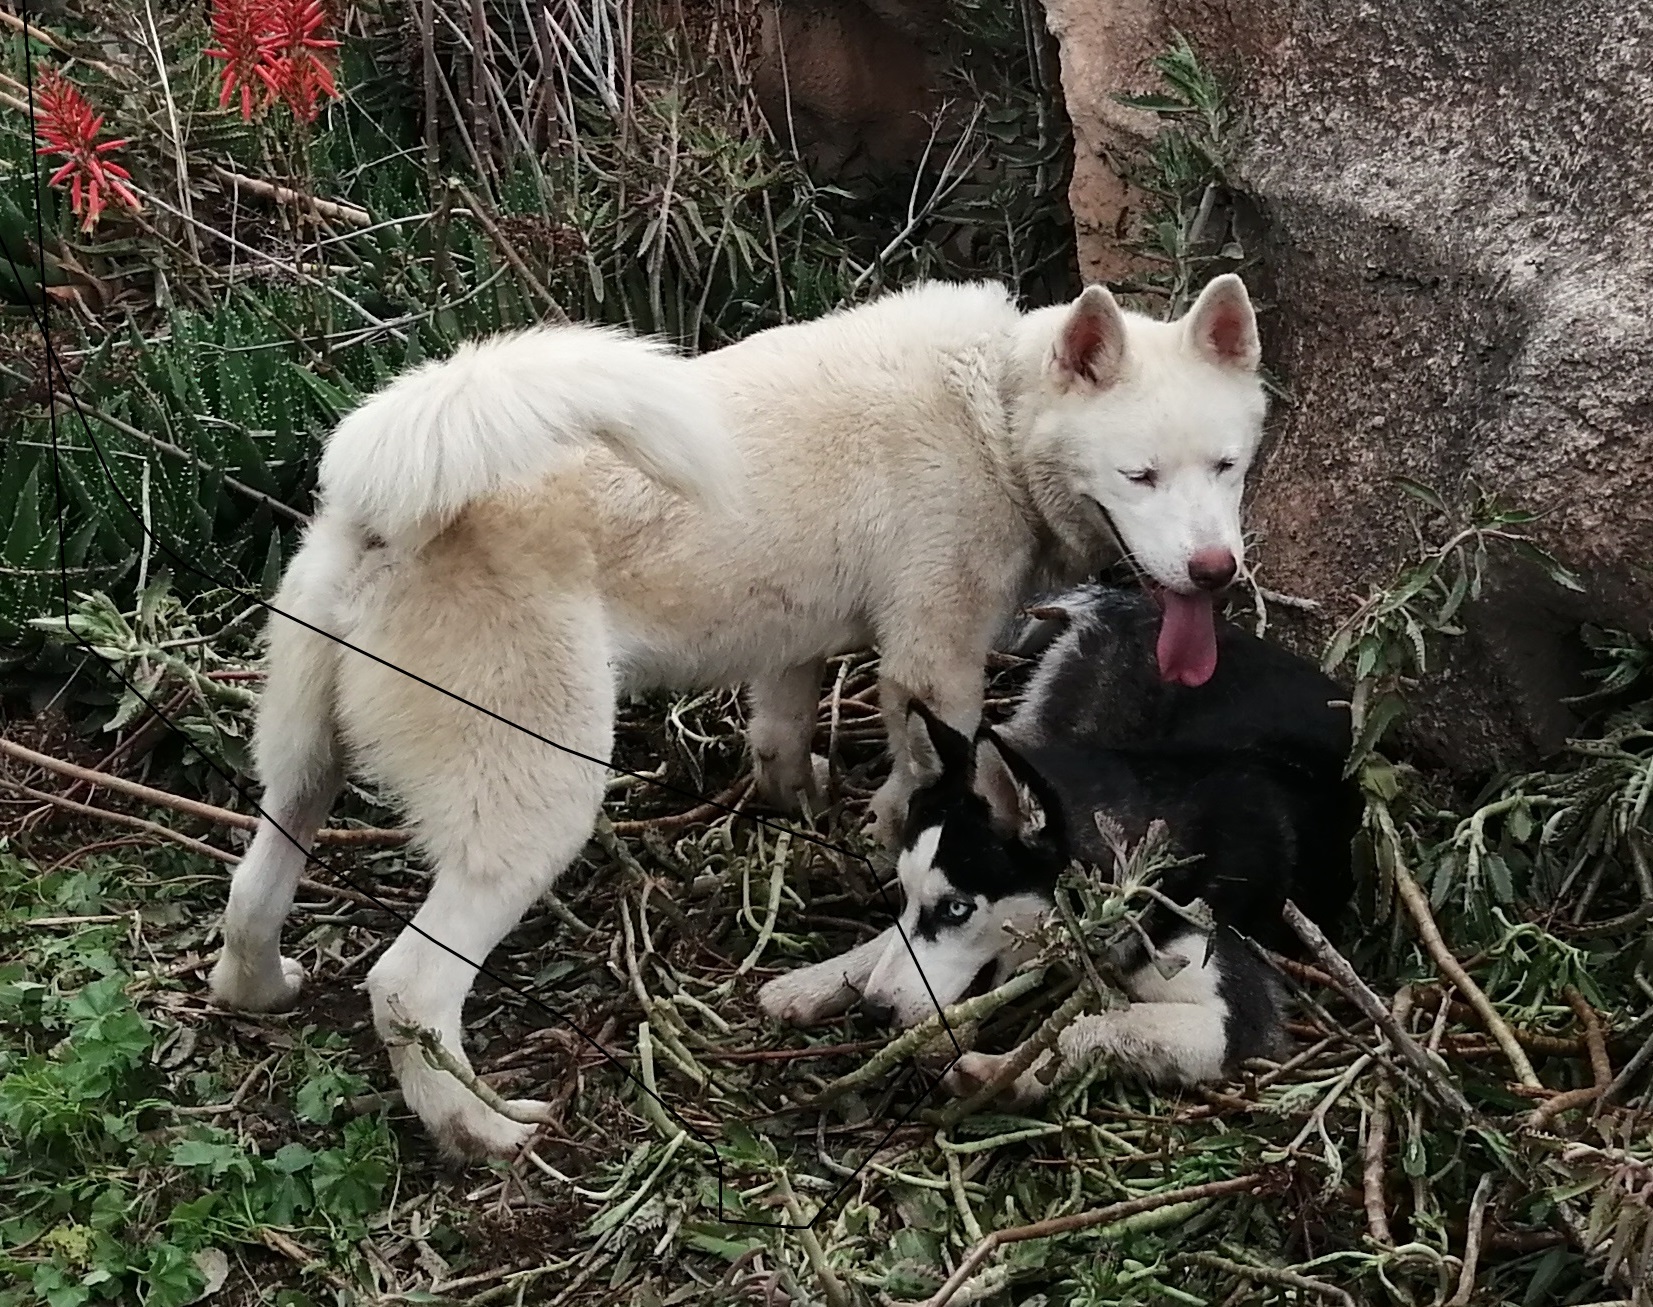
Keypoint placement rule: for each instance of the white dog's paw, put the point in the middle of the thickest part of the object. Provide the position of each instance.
(808, 995)
(241, 989)
(793, 789)
(820, 777)
(886, 812)
(480, 1134)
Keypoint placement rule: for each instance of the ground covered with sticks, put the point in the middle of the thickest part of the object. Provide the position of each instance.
(1461, 1122)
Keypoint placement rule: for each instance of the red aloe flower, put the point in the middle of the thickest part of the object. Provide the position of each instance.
(275, 45)
(240, 28)
(294, 50)
(65, 121)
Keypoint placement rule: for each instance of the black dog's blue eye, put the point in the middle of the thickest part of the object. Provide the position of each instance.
(955, 910)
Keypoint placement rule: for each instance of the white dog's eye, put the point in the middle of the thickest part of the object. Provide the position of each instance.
(1223, 465)
(955, 910)
(1142, 477)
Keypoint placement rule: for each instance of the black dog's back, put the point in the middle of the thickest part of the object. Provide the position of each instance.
(1246, 770)
(1098, 687)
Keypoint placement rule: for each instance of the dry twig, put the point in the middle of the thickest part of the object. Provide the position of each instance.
(1417, 904)
(177, 803)
(331, 209)
(1443, 1090)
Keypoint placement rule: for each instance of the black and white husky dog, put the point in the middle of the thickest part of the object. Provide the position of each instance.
(1246, 770)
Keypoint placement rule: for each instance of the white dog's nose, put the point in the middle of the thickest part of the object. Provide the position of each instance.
(1212, 569)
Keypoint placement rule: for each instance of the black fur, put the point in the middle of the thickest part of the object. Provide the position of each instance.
(978, 854)
(1245, 770)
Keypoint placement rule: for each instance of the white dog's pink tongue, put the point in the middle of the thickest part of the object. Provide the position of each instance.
(1187, 638)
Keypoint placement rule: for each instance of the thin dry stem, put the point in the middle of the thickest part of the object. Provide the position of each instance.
(177, 803)
(1417, 904)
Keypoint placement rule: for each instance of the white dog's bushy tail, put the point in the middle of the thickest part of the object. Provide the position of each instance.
(504, 412)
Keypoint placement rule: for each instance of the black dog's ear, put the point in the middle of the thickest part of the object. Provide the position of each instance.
(935, 747)
(1021, 803)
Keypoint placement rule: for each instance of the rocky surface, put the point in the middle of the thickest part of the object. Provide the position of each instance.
(1458, 280)
(854, 85)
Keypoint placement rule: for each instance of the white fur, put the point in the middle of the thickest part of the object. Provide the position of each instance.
(816, 993)
(917, 976)
(1173, 407)
(508, 526)
(503, 413)
(1172, 1033)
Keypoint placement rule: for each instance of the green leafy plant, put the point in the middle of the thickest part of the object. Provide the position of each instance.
(1385, 643)
(1190, 231)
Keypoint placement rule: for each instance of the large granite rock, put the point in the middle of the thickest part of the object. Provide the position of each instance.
(1458, 274)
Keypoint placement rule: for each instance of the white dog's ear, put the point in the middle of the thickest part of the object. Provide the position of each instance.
(1090, 347)
(1221, 326)
(1016, 807)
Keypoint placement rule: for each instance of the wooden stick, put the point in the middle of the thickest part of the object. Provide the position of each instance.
(120, 819)
(485, 220)
(177, 803)
(1551, 1108)
(1445, 1093)
(1630, 1070)
(1418, 905)
(1085, 1221)
(793, 1054)
(1546, 1045)
(830, 1284)
(52, 43)
(345, 213)
(1472, 1241)
(959, 1014)
(177, 837)
(1595, 1039)
(167, 447)
(1023, 1057)
(441, 1059)
(717, 806)
(1377, 1140)
(300, 1255)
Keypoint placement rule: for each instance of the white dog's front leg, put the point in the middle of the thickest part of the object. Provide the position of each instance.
(812, 994)
(957, 701)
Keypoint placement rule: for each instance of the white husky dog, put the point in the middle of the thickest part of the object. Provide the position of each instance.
(553, 517)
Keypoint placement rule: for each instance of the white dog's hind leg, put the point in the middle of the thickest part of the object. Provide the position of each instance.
(423, 980)
(251, 975)
(781, 732)
(1175, 1032)
(501, 821)
(811, 994)
(297, 749)
(1166, 1043)
(501, 801)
